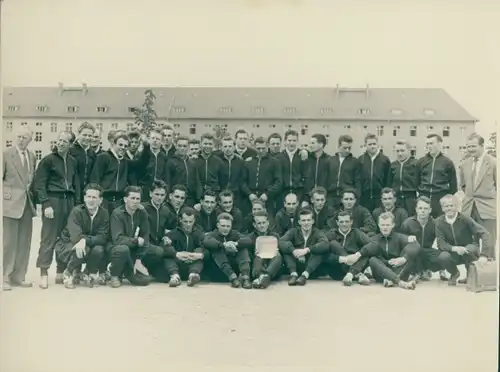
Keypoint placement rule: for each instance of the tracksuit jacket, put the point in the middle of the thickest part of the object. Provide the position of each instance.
(374, 174)
(436, 175)
(183, 242)
(325, 218)
(214, 241)
(155, 168)
(317, 173)
(262, 176)
(425, 234)
(209, 172)
(400, 215)
(353, 242)
(404, 176)
(293, 172)
(361, 219)
(237, 217)
(85, 160)
(160, 219)
(233, 172)
(386, 247)
(294, 239)
(207, 222)
(344, 176)
(81, 226)
(183, 171)
(123, 227)
(284, 221)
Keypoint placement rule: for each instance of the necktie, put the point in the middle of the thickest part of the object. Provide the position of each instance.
(474, 171)
(25, 164)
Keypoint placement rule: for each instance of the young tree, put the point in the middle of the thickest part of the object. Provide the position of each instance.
(145, 116)
(219, 133)
(493, 144)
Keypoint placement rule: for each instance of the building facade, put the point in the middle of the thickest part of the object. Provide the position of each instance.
(391, 114)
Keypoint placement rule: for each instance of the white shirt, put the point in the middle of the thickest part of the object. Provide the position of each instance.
(347, 233)
(26, 157)
(291, 154)
(341, 159)
(306, 236)
(374, 156)
(451, 221)
(479, 162)
(116, 155)
(92, 216)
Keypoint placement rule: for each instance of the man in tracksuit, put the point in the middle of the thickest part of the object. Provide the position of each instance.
(392, 256)
(114, 172)
(304, 247)
(262, 177)
(388, 198)
(241, 139)
(436, 174)
(288, 216)
(57, 188)
(232, 171)
(361, 218)
(168, 141)
(208, 165)
(133, 145)
(257, 206)
(293, 169)
(181, 170)
(84, 238)
(206, 218)
(263, 270)
(317, 167)
(83, 153)
(374, 169)
(324, 215)
(458, 238)
(176, 200)
(226, 205)
(184, 255)
(274, 141)
(403, 177)
(228, 255)
(129, 230)
(345, 172)
(346, 240)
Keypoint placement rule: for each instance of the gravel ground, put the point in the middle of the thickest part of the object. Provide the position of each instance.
(321, 327)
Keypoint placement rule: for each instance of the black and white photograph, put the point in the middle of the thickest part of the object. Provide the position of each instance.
(217, 185)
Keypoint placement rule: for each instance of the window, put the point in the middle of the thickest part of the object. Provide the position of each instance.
(53, 127)
(38, 154)
(114, 125)
(347, 127)
(192, 129)
(446, 131)
(225, 110)
(326, 110)
(8, 143)
(178, 109)
(102, 109)
(13, 108)
(289, 110)
(396, 112)
(272, 125)
(24, 123)
(38, 136)
(395, 130)
(177, 126)
(9, 126)
(413, 151)
(42, 108)
(258, 110)
(364, 111)
(429, 128)
(380, 130)
(38, 124)
(429, 112)
(446, 148)
(72, 108)
(130, 127)
(462, 131)
(413, 131)
(256, 125)
(98, 126)
(69, 127)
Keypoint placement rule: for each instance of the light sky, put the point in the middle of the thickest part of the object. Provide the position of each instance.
(453, 45)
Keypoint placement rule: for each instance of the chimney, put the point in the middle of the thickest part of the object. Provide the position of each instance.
(61, 88)
(367, 91)
(84, 89)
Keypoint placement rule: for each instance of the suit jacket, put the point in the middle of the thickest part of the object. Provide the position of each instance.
(16, 185)
(483, 192)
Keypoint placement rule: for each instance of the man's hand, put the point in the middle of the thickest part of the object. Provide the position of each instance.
(140, 241)
(195, 256)
(412, 239)
(304, 154)
(298, 253)
(48, 213)
(166, 240)
(197, 207)
(182, 256)
(460, 250)
(80, 248)
(263, 197)
(352, 259)
(482, 260)
(252, 197)
(343, 260)
(396, 262)
(231, 247)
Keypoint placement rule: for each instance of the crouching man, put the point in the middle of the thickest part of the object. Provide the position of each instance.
(223, 245)
(84, 238)
(129, 228)
(185, 254)
(304, 247)
(344, 241)
(392, 255)
(458, 238)
(263, 270)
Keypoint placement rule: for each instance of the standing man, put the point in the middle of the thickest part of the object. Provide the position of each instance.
(242, 149)
(83, 153)
(209, 166)
(436, 174)
(403, 177)
(96, 142)
(317, 167)
(232, 171)
(478, 180)
(374, 168)
(193, 148)
(168, 140)
(57, 188)
(274, 141)
(18, 209)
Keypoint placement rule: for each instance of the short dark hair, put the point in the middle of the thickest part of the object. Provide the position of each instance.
(345, 138)
(435, 135)
(207, 136)
(130, 189)
(350, 191)
(260, 140)
(178, 188)
(225, 194)
(370, 136)
(158, 184)
(305, 211)
(194, 141)
(224, 216)
(480, 139)
(188, 211)
(260, 202)
(344, 213)
(319, 190)
(168, 127)
(239, 131)
(260, 214)
(320, 138)
(120, 136)
(135, 134)
(85, 125)
(403, 142)
(209, 193)
(387, 190)
(424, 199)
(228, 138)
(93, 186)
(182, 138)
(291, 132)
(274, 135)
(154, 130)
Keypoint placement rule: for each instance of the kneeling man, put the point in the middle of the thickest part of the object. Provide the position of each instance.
(223, 244)
(303, 247)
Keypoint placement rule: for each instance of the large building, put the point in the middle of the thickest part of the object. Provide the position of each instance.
(390, 113)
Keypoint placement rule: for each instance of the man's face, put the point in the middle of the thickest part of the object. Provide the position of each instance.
(386, 226)
(449, 208)
(228, 147)
(318, 201)
(23, 139)
(224, 226)
(168, 137)
(194, 150)
(474, 148)
(133, 144)
(372, 146)
(314, 145)
(388, 200)
(85, 137)
(241, 140)
(187, 223)
(261, 148)
(208, 204)
(275, 145)
(257, 208)
(345, 148)
(291, 143)
(182, 147)
(63, 142)
(402, 152)
(432, 145)
(226, 203)
(291, 203)
(155, 140)
(344, 223)
(96, 138)
(133, 200)
(120, 146)
(423, 210)
(158, 196)
(207, 146)
(177, 198)
(92, 199)
(306, 222)
(348, 200)
(261, 224)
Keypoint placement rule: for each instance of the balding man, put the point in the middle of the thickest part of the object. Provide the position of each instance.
(18, 209)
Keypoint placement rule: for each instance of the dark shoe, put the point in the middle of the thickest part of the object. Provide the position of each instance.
(454, 279)
(193, 280)
(245, 282)
(265, 281)
(115, 282)
(426, 275)
(292, 280)
(6, 286)
(235, 282)
(302, 280)
(22, 284)
(139, 279)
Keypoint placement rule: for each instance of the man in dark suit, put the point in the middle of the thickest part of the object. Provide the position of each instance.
(18, 210)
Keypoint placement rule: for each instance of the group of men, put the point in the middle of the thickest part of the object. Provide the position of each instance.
(151, 207)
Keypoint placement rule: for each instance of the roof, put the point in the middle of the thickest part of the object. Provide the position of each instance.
(402, 104)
